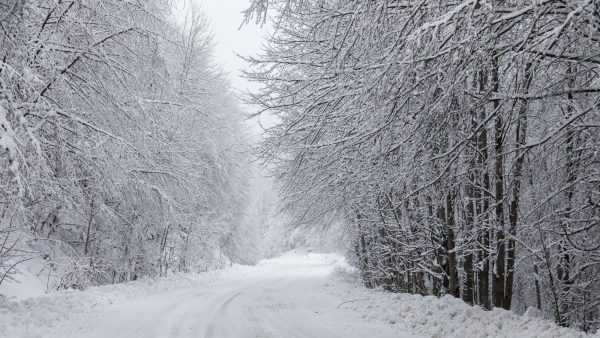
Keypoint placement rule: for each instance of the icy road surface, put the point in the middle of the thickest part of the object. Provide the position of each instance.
(284, 297)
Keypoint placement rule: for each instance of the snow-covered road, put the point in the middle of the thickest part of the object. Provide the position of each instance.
(295, 295)
(284, 297)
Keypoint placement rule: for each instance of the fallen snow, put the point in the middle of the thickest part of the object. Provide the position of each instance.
(296, 295)
(42, 316)
(442, 317)
(29, 279)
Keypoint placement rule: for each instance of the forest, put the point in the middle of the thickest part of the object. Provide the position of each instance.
(458, 141)
(449, 148)
(122, 148)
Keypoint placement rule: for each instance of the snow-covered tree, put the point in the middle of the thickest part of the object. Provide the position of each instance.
(122, 149)
(458, 140)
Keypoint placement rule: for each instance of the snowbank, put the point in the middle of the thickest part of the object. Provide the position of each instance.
(29, 279)
(39, 317)
(446, 317)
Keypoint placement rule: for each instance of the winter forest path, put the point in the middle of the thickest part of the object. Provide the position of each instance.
(284, 297)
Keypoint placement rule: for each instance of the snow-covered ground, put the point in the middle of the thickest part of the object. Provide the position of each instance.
(295, 295)
(429, 316)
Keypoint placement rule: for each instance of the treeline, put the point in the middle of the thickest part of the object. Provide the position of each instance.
(121, 147)
(460, 140)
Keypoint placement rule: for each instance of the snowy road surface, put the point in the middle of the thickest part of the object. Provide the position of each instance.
(286, 297)
(295, 295)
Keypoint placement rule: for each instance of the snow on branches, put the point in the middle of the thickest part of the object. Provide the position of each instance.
(120, 142)
(459, 139)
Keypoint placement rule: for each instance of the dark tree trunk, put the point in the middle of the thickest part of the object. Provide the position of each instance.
(521, 138)
(468, 247)
(498, 279)
(452, 270)
(564, 259)
(484, 205)
(89, 229)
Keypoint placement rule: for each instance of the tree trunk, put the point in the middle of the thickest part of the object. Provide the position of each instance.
(483, 205)
(498, 280)
(452, 270)
(564, 259)
(521, 138)
(468, 230)
(538, 296)
(89, 229)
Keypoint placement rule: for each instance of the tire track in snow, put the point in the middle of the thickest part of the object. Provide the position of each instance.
(281, 298)
(218, 317)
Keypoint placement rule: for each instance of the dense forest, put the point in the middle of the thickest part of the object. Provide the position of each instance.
(451, 147)
(459, 141)
(122, 148)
